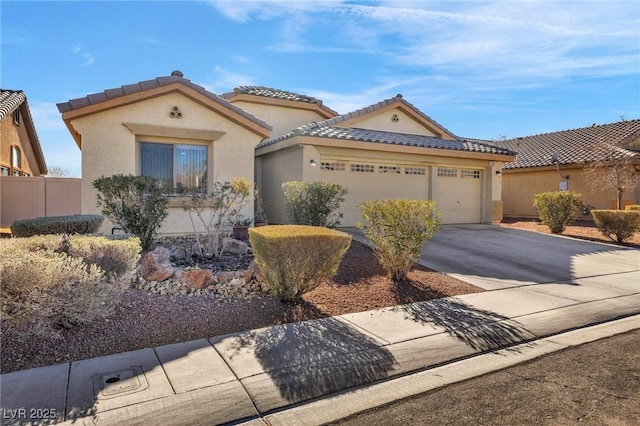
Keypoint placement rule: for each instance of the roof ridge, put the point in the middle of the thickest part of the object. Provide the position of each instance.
(574, 129)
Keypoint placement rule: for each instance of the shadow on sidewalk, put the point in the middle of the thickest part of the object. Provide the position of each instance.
(315, 358)
(480, 329)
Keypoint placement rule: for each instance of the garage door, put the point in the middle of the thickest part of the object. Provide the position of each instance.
(367, 181)
(459, 194)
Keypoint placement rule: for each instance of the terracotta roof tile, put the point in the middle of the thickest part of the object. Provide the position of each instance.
(574, 146)
(10, 100)
(175, 77)
(273, 93)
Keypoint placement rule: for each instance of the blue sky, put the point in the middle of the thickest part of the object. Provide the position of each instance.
(481, 69)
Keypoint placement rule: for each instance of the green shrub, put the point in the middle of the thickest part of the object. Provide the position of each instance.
(75, 224)
(57, 282)
(137, 204)
(617, 225)
(558, 209)
(633, 207)
(313, 203)
(294, 259)
(397, 230)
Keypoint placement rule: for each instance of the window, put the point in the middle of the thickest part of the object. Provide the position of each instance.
(442, 172)
(16, 117)
(415, 171)
(182, 166)
(336, 167)
(15, 157)
(362, 168)
(16, 172)
(389, 169)
(474, 174)
(4, 171)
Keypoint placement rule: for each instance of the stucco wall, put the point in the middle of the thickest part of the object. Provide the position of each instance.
(277, 168)
(282, 119)
(11, 134)
(384, 121)
(519, 188)
(108, 147)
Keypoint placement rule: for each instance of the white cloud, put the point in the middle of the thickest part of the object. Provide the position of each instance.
(224, 80)
(87, 58)
(244, 10)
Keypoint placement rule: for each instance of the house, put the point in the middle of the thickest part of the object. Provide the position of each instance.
(555, 161)
(171, 128)
(20, 150)
(386, 150)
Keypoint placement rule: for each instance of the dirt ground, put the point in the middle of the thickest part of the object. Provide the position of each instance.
(594, 384)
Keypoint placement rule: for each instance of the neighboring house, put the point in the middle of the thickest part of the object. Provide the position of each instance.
(387, 150)
(556, 161)
(169, 128)
(20, 151)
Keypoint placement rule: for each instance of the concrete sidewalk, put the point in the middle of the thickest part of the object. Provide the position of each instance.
(319, 371)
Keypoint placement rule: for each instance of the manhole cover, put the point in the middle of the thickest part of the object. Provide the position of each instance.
(116, 383)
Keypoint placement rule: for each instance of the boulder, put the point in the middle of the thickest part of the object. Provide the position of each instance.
(197, 278)
(179, 253)
(156, 265)
(233, 246)
(226, 276)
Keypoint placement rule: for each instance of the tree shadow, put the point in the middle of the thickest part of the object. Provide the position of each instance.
(480, 329)
(310, 359)
(409, 291)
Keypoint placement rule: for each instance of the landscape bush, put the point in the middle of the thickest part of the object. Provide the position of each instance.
(313, 203)
(73, 224)
(397, 230)
(137, 204)
(617, 225)
(558, 209)
(635, 207)
(56, 282)
(294, 259)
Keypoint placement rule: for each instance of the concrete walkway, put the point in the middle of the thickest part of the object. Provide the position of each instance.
(318, 371)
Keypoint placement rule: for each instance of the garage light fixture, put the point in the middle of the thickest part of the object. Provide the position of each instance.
(313, 163)
(498, 172)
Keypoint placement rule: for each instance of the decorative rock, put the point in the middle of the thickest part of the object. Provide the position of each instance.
(225, 276)
(233, 246)
(156, 265)
(197, 278)
(178, 253)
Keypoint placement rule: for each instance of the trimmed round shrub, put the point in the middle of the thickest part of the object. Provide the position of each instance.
(617, 225)
(74, 224)
(558, 209)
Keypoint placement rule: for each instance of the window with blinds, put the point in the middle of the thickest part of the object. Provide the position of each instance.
(182, 166)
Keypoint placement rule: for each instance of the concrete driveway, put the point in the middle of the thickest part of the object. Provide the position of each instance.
(494, 257)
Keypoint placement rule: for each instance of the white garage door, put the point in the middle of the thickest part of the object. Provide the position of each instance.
(459, 195)
(367, 181)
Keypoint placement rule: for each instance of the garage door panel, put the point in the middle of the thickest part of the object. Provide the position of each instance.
(459, 195)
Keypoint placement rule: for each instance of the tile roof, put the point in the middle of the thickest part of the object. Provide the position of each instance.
(391, 138)
(175, 77)
(10, 100)
(572, 146)
(272, 93)
(384, 137)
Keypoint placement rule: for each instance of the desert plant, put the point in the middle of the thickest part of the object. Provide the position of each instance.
(137, 204)
(634, 207)
(56, 282)
(397, 230)
(294, 259)
(74, 224)
(259, 215)
(558, 209)
(217, 211)
(617, 225)
(313, 203)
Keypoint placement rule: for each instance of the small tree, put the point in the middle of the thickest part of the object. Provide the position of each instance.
(397, 230)
(218, 209)
(558, 209)
(57, 171)
(137, 204)
(313, 203)
(614, 170)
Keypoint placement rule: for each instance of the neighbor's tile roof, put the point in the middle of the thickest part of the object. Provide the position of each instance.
(269, 92)
(327, 129)
(175, 77)
(10, 100)
(571, 146)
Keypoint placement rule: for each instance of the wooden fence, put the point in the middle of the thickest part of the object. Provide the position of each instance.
(31, 197)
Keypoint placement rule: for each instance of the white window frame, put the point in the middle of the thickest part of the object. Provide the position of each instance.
(448, 172)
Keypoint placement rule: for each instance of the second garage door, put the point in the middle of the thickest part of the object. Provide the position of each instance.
(459, 194)
(367, 181)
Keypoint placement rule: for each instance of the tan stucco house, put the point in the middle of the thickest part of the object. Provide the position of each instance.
(269, 136)
(20, 150)
(556, 161)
